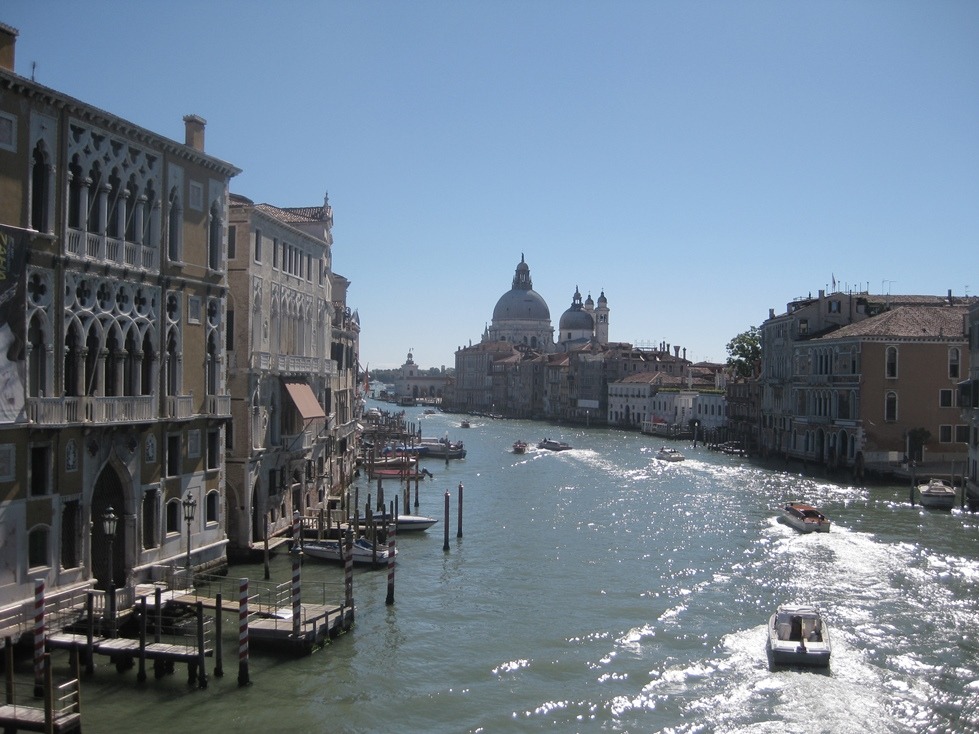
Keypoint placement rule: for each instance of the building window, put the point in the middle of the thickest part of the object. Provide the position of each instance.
(962, 433)
(211, 503)
(70, 534)
(258, 245)
(232, 245)
(945, 434)
(194, 444)
(173, 455)
(196, 195)
(37, 547)
(173, 516)
(215, 235)
(40, 470)
(953, 363)
(890, 363)
(890, 406)
(213, 449)
(229, 333)
(151, 519)
(193, 310)
(945, 398)
(834, 307)
(8, 132)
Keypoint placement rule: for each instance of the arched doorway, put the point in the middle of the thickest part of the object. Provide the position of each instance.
(108, 493)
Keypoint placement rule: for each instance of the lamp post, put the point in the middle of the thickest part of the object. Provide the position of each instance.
(190, 505)
(109, 523)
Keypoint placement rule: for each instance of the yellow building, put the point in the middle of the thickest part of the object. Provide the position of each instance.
(113, 319)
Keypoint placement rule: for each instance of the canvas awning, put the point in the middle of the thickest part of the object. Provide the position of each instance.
(306, 403)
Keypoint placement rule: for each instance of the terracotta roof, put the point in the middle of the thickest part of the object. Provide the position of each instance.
(908, 322)
(288, 216)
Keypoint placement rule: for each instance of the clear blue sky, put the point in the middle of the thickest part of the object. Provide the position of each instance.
(700, 162)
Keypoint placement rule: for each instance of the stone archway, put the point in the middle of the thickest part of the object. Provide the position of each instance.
(108, 492)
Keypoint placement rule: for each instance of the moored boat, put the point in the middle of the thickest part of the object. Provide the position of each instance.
(798, 635)
(329, 550)
(937, 495)
(552, 445)
(805, 518)
(520, 447)
(669, 454)
(442, 448)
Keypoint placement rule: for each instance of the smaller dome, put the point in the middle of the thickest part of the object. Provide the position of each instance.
(576, 320)
(602, 299)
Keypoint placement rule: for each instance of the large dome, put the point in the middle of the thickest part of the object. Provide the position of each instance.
(521, 304)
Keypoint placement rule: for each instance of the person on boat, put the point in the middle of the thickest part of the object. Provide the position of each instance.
(796, 631)
(814, 634)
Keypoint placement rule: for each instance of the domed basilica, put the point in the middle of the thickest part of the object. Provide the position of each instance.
(521, 317)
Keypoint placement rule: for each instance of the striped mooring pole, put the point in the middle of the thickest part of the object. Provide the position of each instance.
(243, 632)
(392, 531)
(296, 576)
(348, 577)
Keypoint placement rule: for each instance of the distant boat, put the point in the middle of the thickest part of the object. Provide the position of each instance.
(520, 447)
(442, 448)
(552, 445)
(805, 518)
(937, 495)
(464, 424)
(669, 454)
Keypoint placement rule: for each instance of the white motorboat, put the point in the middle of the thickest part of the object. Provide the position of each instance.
(669, 454)
(552, 445)
(329, 550)
(805, 518)
(798, 635)
(937, 495)
(414, 523)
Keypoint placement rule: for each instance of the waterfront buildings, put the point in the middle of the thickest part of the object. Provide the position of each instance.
(412, 383)
(969, 400)
(851, 379)
(291, 382)
(114, 323)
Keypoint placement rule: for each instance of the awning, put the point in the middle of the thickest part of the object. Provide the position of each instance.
(306, 403)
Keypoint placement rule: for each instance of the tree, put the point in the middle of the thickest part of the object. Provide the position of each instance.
(744, 351)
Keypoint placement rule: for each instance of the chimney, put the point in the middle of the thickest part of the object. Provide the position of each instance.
(194, 131)
(8, 39)
(676, 352)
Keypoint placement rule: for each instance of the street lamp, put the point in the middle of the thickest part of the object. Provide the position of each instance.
(190, 505)
(109, 523)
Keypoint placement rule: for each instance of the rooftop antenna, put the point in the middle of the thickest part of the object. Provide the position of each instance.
(33, 68)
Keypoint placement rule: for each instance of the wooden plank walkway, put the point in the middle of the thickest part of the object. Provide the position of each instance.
(29, 718)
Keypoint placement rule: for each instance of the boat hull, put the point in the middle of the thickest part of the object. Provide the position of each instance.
(936, 495)
(329, 550)
(805, 518)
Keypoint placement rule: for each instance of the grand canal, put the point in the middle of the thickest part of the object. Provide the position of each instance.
(600, 590)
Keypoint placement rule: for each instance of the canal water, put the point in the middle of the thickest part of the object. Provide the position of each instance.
(599, 590)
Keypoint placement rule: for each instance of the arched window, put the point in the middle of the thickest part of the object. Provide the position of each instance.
(37, 547)
(890, 406)
(890, 363)
(37, 369)
(40, 192)
(211, 505)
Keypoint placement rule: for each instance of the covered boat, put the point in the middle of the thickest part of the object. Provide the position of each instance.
(798, 635)
(805, 518)
(937, 494)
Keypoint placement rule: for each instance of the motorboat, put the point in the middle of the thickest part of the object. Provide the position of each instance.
(464, 424)
(442, 448)
(406, 523)
(552, 445)
(805, 518)
(937, 494)
(520, 447)
(798, 635)
(669, 454)
(329, 550)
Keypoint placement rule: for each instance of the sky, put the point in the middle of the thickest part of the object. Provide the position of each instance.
(701, 162)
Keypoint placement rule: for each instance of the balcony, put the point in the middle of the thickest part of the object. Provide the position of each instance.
(219, 405)
(62, 411)
(297, 441)
(104, 250)
(180, 407)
